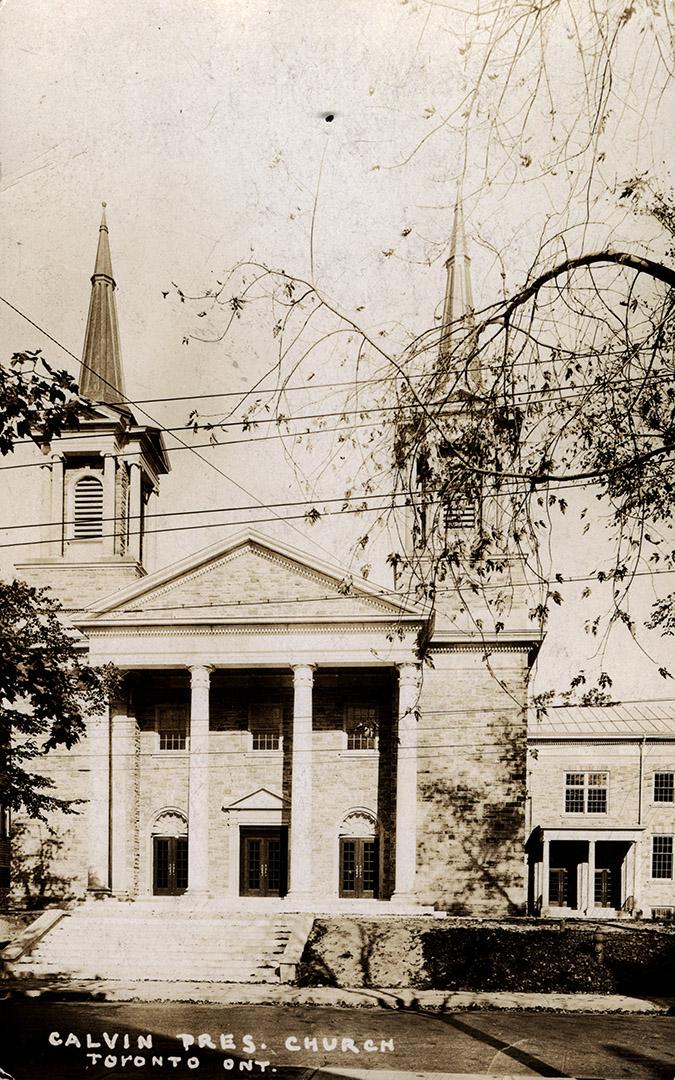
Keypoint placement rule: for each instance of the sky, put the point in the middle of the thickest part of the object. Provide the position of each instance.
(204, 126)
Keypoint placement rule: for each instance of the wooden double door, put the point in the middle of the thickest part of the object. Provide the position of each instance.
(263, 868)
(359, 867)
(169, 865)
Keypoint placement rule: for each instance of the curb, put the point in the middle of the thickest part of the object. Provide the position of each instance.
(331, 997)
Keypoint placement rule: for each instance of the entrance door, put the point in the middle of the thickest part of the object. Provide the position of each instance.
(609, 858)
(264, 861)
(359, 868)
(170, 865)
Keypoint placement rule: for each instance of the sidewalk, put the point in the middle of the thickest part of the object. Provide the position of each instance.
(332, 997)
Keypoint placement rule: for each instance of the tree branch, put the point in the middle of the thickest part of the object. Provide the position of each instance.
(623, 258)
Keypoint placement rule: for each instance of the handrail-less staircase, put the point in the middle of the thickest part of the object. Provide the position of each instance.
(125, 942)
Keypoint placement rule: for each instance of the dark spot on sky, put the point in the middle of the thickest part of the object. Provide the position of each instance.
(329, 117)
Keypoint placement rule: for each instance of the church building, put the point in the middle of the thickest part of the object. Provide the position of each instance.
(276, 742)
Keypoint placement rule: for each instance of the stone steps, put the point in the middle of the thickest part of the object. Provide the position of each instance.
(123, 944)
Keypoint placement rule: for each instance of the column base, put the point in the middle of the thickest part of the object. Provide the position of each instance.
(98, 892)
(301, 899)
(404, 898)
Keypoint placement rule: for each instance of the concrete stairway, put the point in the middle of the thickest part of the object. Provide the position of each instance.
(127, 943)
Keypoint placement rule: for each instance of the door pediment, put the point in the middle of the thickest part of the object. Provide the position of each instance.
(261, 800)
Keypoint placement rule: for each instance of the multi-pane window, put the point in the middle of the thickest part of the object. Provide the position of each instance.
(662, 857)
(265, 726)
(557, 886)
(586, 793)
(88, 509)
(361, 723)
(603, 890)
(664, 787)
(172, 725)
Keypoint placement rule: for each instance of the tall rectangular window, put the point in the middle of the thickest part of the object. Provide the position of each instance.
(664, 787)
(265, 725)
(361, 724)
(172, 725)
(586, 793)
(662, 857)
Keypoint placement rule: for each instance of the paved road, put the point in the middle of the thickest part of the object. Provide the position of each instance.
(484, 1043)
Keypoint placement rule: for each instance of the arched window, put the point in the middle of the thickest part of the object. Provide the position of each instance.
(88, 509)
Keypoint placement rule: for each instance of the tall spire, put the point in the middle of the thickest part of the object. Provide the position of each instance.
(101, 378)
(458, 309)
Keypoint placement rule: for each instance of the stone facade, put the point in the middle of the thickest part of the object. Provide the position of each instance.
(416, 776)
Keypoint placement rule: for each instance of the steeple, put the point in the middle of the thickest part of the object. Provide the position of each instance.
(458, 309)
(101, 378)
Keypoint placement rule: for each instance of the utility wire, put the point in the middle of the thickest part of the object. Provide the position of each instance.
(182, 442)
(383, 594)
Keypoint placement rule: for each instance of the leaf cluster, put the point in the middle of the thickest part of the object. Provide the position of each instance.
(37, 400)
(46, 694)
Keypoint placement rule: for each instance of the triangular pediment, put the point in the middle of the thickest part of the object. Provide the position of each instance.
(247, 578)
(262, 799)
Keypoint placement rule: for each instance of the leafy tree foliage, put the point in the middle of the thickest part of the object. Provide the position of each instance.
(539, 428)
(37, 400)
(560, 396)
(46, 692)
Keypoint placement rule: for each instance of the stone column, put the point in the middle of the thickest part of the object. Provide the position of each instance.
(98, 813)
(636, 877)
(301, 783)
(135, 520)
(406, 783)
(545, 869)
(123, 752)
(198, 785)
(57, 505)
(590, 879)
(109, 504)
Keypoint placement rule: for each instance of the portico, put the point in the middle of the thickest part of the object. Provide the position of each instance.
(589, 871)
(271, 761)
(264, 782)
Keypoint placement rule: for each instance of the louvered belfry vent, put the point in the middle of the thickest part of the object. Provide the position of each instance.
(88, 509)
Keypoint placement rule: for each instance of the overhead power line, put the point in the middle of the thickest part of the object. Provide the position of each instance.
(200, 457)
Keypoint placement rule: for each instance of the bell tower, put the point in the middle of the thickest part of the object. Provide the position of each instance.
(101, 473)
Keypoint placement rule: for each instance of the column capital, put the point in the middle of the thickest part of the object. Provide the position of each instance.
(409, 674)
(200, 676)
(303, 674)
